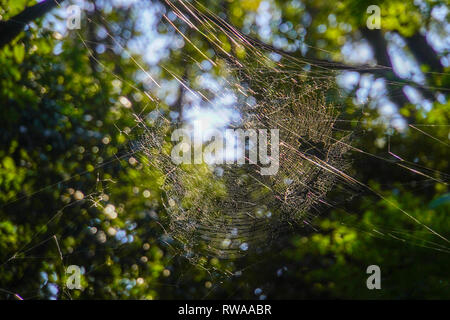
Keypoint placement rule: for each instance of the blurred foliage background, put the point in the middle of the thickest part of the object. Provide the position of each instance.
(70, 195)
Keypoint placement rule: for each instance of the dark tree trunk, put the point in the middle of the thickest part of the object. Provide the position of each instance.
(423, 52)
(379, 45)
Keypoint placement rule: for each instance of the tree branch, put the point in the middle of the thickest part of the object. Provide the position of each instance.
(11, 28)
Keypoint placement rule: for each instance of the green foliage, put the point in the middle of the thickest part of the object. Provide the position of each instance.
(63, 189)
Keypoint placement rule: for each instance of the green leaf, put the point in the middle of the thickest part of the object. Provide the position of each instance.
(19, 53)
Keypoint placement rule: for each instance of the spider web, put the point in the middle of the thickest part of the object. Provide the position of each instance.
(226, 211)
